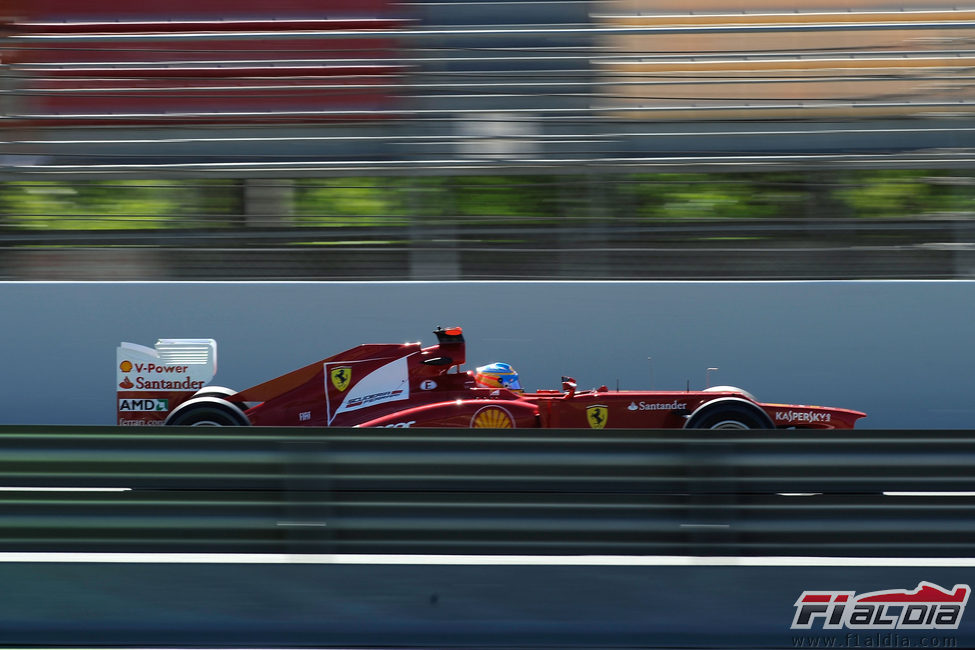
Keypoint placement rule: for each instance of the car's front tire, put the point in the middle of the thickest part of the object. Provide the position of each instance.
(729, 415)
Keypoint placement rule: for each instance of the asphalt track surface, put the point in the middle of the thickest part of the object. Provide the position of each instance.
(283, 600)
(387, 601)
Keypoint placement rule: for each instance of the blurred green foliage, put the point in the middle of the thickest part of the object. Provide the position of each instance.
(116, 205)
(702, 196)
(906, 193)
(369, 201)
(376, 201)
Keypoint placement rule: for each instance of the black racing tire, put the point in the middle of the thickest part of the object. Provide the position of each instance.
(729, 415)
(215, 391)
(718, 389)
(222, 392)
(207, 412)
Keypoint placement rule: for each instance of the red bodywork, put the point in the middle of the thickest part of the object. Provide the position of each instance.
(406, 385)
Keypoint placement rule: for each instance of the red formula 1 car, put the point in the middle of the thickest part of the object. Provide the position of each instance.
(406, 385)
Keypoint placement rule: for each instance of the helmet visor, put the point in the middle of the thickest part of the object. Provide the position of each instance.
(510, 382)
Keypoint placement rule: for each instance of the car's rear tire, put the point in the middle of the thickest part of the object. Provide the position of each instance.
(207, 412)
(222, 392)
(729, 415)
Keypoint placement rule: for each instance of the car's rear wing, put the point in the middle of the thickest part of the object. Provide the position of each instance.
(150, 382)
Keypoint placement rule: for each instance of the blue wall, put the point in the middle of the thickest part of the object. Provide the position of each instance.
(899, 350)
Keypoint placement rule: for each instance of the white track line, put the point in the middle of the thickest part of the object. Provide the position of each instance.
(480, 560)
(64, 489)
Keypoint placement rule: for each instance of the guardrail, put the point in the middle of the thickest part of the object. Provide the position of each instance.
(458, 248)
(269, 490)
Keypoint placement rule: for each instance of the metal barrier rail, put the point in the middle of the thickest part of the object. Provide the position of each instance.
(893, 493)
(529, 232)
(463, 248)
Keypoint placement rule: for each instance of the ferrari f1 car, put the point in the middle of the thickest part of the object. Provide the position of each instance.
(407, 385)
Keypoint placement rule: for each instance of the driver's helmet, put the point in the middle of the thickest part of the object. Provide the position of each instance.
(498, 375)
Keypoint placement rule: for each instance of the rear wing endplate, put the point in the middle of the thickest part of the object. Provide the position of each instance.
(150, 382)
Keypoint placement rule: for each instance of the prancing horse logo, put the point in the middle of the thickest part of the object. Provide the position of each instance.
(341, 377)
(597, 415)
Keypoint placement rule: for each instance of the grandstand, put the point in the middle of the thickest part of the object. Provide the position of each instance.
(593, 92)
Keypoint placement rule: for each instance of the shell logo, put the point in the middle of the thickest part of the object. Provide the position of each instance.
(492, 417)
(125, 366)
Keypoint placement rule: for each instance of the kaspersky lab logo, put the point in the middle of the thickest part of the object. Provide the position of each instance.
(929, 607)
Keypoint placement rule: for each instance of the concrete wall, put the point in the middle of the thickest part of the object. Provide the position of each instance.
(899, 350)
